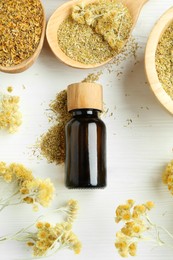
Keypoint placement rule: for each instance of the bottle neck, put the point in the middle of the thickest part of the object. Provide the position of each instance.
(85, 112)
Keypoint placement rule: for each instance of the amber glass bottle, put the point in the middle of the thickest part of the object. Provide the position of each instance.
(85, 137)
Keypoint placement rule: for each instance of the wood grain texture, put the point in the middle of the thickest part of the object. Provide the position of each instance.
(85, 95)
(134, 8)
(63, 12)
(150, 65)
(29, 62)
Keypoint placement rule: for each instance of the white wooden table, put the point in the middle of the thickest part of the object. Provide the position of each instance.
(136, 153)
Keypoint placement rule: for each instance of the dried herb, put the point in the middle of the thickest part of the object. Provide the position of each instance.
(93, 77)
(52, 143)
(96, 32)
(164, 60)
(81, 43)
(129, 50)
(111, 19)
(20, 30)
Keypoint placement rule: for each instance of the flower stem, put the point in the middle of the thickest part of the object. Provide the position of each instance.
(166, 231)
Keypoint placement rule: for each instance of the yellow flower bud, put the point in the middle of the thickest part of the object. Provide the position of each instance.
(30, 244)
(126, 216)
(39, 225)
(149, 205)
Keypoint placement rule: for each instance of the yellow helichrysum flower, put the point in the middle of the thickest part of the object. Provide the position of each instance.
(42, 235)
(39, 225)
(77, 248)
(54, 237)
(122, 244)
(24, 191)
(78, 13)
(15, 173)
(19, 172)
(132, 249)
(72, 211)
(41, 191)
(10, 116)
(130, 202)
(28, 189)
(48, 238)
(123, 211)
(149, 205)
(110, 19)
(167, 176)
(7, 177)
(47, 225)
(2, 168)
(136, 222)
(45, 192)
(138, 211)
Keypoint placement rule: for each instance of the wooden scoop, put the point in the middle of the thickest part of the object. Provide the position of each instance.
(27, 63)
(64, 11)
(150, 65)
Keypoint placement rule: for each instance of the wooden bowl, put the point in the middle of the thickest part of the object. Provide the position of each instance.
(150, 65)
(28, 62)
(64, 11)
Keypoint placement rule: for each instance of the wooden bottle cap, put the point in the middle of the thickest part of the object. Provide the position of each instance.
(85, 95)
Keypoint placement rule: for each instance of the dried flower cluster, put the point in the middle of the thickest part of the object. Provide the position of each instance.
(136, 222)
(71, 210)
(10, 116)
(164, 60)
(110, 19)
(26, 188)
(52, 143)
(167, 176)
(49, 238)
(53, 237)
(20, 30)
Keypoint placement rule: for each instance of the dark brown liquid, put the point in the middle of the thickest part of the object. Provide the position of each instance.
(85, 150)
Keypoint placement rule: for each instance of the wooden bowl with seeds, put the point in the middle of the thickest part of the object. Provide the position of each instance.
(76, 60)
(22, 34)
(159, 58)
